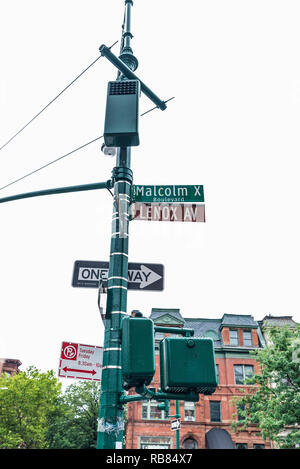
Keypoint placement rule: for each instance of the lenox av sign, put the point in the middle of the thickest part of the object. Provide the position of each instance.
(168, 212)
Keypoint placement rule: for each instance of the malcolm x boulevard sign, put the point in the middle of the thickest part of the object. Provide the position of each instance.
(141, 276)
(168, 194)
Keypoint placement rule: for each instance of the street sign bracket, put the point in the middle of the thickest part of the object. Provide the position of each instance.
(101, 290)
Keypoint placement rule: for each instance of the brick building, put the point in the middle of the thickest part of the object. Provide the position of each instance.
(209, 419)
(9, 365)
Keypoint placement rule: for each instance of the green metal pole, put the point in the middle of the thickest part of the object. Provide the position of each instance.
(177, 416)
(111, 414)
(177, 431)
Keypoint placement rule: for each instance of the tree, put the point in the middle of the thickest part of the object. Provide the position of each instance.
(76, 427)
(27, 401)
(273, 404)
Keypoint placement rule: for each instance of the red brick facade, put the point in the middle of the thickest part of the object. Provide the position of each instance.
(225, 335)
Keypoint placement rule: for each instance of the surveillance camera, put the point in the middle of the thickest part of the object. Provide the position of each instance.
(108, 151)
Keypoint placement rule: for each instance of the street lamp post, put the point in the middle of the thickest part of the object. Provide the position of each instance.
(111, 413)
(111, 418)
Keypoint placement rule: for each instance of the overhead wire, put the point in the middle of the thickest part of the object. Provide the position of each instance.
(43, 109)
(68, 154)
(52, 101)
(51, 162)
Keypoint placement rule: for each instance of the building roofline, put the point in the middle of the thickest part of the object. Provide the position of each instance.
(270, 316)
(11, 360)
(203, 319)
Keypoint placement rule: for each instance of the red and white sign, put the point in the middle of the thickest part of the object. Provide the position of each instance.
(168, 212)
(80, 361)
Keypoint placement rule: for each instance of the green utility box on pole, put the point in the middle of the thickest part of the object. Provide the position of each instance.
(138, 357)
(122, 114)
(187, 364)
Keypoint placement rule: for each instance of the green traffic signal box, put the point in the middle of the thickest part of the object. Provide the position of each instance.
(122, 114)
(138, 360)
(187, 364)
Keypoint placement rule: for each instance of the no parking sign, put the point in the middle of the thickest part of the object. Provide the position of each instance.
(80, 361)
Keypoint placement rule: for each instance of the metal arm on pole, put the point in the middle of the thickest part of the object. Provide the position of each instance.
(175, 330)
(59, 190)
(151, 394)
(105, 51)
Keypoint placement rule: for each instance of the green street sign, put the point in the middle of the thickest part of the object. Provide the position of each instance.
(157, 194)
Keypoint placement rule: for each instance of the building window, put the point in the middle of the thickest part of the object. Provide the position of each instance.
(215, 411)
(189, 411)
(218, 374)
(155, 442)
(240, 408)
(150, 411)
(233, 335)
(190, 443)
(241, 372)
(241, 446)
(258, 446)
(247, 338)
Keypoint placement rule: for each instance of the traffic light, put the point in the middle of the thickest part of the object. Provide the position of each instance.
(138, 359)
(187, 364)
(122, 114)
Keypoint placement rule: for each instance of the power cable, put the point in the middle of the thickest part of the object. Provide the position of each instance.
(70, 153)
(51, 162)
(52, 100)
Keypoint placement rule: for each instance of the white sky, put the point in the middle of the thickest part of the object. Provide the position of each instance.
(234, 69)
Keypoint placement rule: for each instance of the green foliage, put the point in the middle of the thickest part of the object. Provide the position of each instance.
(35, 414)
(76, 426)
(274, 401)
(27, 400)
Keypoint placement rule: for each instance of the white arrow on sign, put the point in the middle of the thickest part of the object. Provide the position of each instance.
(141, 276)
(175, 424)
(144, 276)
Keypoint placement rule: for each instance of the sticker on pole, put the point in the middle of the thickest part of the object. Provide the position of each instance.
(80, 361)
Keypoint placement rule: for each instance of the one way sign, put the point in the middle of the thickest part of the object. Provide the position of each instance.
(141, 276)
(175, 424)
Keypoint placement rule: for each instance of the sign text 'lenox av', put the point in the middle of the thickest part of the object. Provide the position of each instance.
(168, 212)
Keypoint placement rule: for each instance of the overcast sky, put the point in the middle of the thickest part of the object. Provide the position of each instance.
(233, 67)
